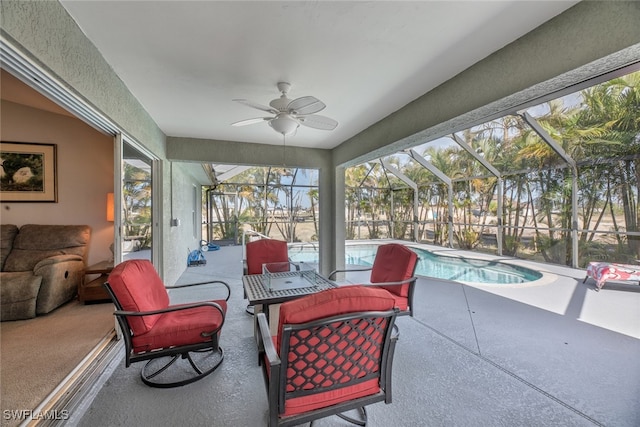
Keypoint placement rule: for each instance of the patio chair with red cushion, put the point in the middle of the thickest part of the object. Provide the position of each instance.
(333, 354)
(163, 334)
(394, 270)
(265, 251)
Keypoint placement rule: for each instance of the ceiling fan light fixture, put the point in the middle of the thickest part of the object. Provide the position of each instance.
(289, 114)
(285, 124)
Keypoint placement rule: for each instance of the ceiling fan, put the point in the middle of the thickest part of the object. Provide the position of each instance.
(289, 114)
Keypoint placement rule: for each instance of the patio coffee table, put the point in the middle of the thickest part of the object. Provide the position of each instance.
(260, 297)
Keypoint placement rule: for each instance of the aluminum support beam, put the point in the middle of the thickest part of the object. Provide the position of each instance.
(391, 168)
(574, 178)
(477, 156)
(442, 177)
(495, 172)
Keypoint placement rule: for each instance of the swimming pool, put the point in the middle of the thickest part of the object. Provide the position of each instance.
(434, 265)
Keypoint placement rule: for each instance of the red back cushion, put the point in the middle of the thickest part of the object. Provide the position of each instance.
(394, 263)
(138, 287)
(264, 251)
(332, 302)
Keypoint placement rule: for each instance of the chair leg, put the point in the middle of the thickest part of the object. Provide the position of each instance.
(156, 372)
(360, 421)
(396, 330)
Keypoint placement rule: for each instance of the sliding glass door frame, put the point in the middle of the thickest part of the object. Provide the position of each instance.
(156, 212)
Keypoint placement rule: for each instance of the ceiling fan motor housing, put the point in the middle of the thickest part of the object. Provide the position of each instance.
(281, 103)
(284, 87)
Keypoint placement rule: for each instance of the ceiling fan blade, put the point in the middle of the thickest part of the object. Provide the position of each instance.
(251, 121)
(306, 105)
(318, 122)
(256, 105)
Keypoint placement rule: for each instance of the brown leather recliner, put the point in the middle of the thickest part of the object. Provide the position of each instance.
(41, 267)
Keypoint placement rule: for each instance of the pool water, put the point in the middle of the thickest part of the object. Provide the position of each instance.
(434, 265)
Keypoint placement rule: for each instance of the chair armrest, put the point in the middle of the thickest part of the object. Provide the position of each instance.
(347, 270)
(402, 282)
(171, 308)
(265, 343)
(203, 283)
(57, 259)
(271, 365)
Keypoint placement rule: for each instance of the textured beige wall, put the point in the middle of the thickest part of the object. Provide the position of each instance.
(43, 32)
(85, 173)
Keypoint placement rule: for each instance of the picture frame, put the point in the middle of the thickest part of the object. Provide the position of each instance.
(28, 172)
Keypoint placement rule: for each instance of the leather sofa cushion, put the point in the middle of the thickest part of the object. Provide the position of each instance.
(8, 233)
(35, 242)
(18, 301)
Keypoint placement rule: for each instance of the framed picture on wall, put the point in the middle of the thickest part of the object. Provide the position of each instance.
(28, 172)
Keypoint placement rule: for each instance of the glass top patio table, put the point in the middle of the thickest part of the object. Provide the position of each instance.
(257, 292)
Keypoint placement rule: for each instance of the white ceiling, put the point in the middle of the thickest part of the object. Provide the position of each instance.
(186, 60)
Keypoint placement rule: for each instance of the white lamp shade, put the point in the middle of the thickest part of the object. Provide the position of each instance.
(284, 124)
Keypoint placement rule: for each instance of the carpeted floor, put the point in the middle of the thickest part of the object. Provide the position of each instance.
(37, 354)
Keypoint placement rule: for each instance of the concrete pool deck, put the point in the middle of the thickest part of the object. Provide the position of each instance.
(550, 353)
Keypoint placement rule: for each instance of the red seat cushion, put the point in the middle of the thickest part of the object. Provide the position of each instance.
(394, 263)
(138, 287)
(303, 404)
(180, 327)
(342, 300)
(265, 251)
(401, 303)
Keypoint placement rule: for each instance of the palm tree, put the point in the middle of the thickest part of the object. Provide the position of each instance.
(136, 203)
(441, 159)
(612, 111)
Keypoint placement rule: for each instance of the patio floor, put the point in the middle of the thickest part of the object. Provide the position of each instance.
(550, 353)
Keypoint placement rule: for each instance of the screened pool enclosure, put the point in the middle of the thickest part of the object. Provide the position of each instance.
(555, 181)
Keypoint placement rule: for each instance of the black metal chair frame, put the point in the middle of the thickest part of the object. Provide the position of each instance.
(275, 374)
(174, 353)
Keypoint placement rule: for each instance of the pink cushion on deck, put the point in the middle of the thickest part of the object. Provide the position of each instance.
(603, 271)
